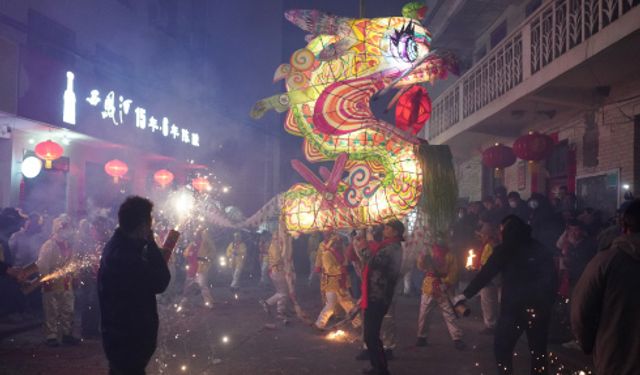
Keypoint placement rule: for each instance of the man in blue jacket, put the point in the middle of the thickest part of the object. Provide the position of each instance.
(132, 271)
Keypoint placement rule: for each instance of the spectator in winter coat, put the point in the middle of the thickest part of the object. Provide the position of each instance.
(26, 243)
(606, 304)
(517, 206)
(528, 293)
(132, 271)
(546, 225)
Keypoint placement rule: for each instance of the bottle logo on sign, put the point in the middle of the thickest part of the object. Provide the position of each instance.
(69, 100)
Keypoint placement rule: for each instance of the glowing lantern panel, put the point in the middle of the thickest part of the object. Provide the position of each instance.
(48, 151)
(413, 109)
(163, 177)
(116, 169)
(201, 184)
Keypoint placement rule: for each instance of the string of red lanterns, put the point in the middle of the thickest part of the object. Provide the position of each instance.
(116, 169)
(531, 147)
(498, 156)
(48, 151)
(163, 177)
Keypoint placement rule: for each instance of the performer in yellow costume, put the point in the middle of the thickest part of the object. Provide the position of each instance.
(237, 253)
(334, 281)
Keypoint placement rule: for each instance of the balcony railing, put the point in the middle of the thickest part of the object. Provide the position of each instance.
(553, 30)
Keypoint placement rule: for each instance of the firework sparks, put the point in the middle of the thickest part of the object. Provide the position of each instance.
(338, 335)
(73, 266)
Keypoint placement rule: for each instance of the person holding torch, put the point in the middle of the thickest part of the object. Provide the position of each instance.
(441, 274)
(489, 295)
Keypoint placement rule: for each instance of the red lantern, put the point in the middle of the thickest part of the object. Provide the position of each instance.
(48, 151)
(498, 156)
(533, 146)
(116, 169)
(413, 109)
(163, 177)
(200, 184)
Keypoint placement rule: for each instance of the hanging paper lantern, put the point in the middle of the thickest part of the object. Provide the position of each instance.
(163, 177)
(498, 156)
(201, 184)
(533, 146)
(413, 109)
(48, 151)
(116, 169)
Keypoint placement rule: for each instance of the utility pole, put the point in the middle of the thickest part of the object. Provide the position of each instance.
(362, 8)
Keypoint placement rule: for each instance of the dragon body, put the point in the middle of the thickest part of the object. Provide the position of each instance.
(377, 174)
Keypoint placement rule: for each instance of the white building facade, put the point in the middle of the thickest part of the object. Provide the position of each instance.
(566, 68)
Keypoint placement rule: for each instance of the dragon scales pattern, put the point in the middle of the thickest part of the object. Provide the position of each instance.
(329, 84)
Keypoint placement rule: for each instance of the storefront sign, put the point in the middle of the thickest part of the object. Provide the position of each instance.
(117, 110)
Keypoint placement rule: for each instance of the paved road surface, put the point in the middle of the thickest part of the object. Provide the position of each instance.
(237, 337)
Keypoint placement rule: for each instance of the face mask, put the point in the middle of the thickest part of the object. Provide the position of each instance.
(533, 204)
(513, 204)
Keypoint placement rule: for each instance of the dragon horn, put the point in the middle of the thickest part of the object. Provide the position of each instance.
(317, 22)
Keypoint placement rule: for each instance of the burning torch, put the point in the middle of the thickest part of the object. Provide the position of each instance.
(471, 255)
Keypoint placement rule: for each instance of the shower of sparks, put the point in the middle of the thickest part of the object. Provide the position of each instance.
(338, 335)
(71, 267)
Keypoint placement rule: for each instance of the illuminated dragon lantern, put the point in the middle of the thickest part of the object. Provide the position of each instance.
(381, 171)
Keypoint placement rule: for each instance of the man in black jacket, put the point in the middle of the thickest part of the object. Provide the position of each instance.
(605, 305)
(379, 277)
(132, 271)
(528, 292)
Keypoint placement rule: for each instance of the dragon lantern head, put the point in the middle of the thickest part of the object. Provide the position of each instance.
(391, 52)
(396, 47)
(329, 84)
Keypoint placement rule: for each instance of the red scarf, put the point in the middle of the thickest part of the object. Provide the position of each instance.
(374, 247)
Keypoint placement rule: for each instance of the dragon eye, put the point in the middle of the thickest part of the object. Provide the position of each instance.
(409, 50)
(404, 45)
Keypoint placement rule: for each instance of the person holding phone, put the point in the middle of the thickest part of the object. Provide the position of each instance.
(132, 271)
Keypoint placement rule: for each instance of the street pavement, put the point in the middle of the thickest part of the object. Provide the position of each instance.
(237, 337)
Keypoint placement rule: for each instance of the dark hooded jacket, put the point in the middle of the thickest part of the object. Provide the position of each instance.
(526, 266)
(132, 272)
(605, 308)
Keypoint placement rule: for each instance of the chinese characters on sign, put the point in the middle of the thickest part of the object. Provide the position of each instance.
(116, 108)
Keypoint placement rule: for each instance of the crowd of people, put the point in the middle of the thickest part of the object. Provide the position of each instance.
(540, 267)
